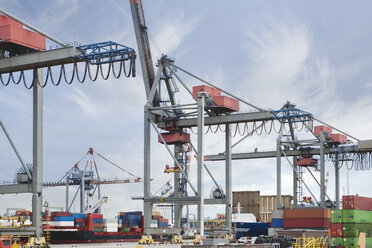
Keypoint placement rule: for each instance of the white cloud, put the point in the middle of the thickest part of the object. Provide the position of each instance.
(85, 103)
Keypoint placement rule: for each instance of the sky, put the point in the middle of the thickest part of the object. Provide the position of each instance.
(315, 54)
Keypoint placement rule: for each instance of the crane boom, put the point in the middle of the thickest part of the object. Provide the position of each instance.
(144, 50)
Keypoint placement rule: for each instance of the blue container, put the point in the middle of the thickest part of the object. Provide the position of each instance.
(97, 220)
(133, 220)
(244, 229)
(79, 216)
(277, 223)
(63, 218)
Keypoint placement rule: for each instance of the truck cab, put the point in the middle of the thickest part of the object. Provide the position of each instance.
(5, 243)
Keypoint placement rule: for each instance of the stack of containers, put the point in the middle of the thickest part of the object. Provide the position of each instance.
(356, 218)
(158, 221)
(62, 220)
(130, 221)
(306, 218)
(95, 222)
(277, 219)
(80, 221)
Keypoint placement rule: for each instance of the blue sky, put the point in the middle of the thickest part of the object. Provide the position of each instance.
(315, 54)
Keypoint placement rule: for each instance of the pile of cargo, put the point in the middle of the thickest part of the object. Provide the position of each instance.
(78, 221)
(348, 223)
(301, 218)
(130, 222)
(158, 221)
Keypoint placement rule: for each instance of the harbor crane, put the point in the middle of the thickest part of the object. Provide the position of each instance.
(17, 56)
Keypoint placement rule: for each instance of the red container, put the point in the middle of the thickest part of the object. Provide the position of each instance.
(306, 223)
(338, 137)
(306, 161)
(336, 229)
(59, 214)
(95, 216)
(211, 90)
(80, 220)
(307, 213)
(97, 225)
(225, 103)
(174, 138)
(356, 202)
(323, 128)
(15, 36)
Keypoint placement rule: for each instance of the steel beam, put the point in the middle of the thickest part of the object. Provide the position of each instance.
(337, 186)
(200, 124)
(257, 155)
(16, 189)
(37, 174)
(39, 59)
(322, 170)
(228, 179)
(219, 120)
(147, 207)
(190, 200)
(279, 172)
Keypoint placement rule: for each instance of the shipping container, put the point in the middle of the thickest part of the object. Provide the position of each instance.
(353, 242)
(336, 216)
(356, 202)
(337, 241)
(353, 230)
(244, 229)
(277, 223)
(336, 230)
(306, 223)
(205, 88)
(356, 216)
(307, 213)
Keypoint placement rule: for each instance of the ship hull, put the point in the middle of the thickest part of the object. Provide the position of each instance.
(73, 237)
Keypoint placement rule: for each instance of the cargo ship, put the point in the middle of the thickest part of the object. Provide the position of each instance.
(70, 228)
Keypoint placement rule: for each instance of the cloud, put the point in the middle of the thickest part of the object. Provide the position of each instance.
(172, 30)
(89, 107)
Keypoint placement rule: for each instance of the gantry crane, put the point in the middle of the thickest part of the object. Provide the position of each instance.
(88, 181)
(214, 110)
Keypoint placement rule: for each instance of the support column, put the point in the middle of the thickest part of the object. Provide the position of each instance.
(228, 179)
(337, 186)
(279, 172)
(37, 175)
(147, 207)
(200, 99)
(177, 206)
(295, 180)
(322, 171)
(67, 195)
(82, 194)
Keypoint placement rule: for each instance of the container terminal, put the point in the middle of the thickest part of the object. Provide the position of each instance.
(178, 113)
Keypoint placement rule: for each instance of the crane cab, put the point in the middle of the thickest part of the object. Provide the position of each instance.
(5, 243)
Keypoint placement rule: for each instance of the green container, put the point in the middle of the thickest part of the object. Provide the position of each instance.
(356, 216)
(98, 229)
(337, 241)
(154, 222)
(353, 230)
(353, 242)
(336, 216)
(125, 229)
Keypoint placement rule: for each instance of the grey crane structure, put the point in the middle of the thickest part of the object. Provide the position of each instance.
(36, 61)
(153, 116)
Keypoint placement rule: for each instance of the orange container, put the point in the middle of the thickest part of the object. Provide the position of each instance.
(323, 128)
(338, 137)
(174, 138)
(226, 103)
(211, 90)
(15, 36)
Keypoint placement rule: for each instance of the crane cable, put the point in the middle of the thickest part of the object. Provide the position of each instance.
(117, 166)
